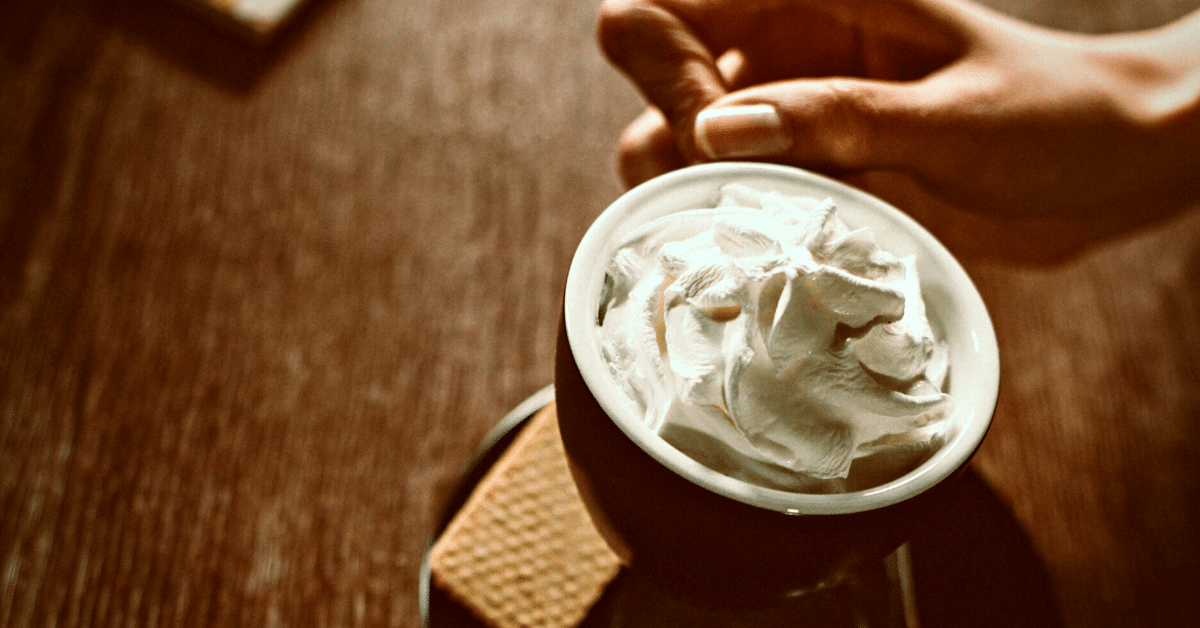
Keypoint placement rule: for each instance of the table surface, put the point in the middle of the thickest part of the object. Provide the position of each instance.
(258, 306)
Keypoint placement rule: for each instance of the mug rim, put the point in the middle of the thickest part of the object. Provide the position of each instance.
(581, 301)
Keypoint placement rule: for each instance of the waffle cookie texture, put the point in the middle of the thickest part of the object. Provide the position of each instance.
(522, 551)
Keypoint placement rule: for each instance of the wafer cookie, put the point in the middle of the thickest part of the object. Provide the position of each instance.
(522, 551)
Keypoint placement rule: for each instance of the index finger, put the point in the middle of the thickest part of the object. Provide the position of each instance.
(658, 45)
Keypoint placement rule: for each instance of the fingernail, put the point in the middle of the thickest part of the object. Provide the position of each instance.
(741, 131)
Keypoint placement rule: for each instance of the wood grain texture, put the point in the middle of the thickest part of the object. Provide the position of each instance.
(257, 308)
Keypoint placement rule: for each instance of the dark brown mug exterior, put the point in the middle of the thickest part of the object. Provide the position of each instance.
(702, 545)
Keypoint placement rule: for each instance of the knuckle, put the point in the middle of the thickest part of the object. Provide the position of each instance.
(848, 127)
(625, 27)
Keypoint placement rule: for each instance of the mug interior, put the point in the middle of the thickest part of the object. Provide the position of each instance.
(954, 307)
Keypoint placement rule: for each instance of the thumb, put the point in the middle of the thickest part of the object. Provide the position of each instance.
(838, 124)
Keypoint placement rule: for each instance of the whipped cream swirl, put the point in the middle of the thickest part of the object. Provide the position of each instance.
(772, 343)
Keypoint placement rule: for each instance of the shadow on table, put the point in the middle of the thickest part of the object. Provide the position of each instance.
(210, 44)
(975, 567)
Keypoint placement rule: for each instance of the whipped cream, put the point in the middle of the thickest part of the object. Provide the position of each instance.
(767, 340)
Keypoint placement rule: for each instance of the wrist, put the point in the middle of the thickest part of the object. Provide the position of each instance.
(1154, 77)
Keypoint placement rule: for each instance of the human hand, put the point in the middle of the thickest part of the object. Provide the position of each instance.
(978, 110)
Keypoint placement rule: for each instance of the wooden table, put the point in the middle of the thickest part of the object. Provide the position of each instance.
(258, 307)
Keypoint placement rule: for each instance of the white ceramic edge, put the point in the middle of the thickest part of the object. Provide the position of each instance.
(679, 189)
